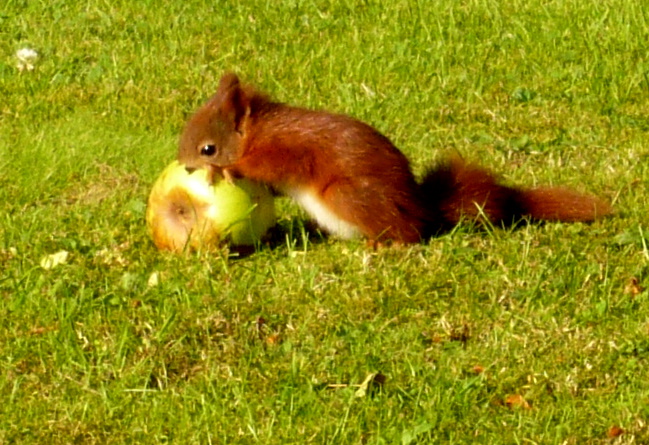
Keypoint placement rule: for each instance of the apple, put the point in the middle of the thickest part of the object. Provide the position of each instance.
(186, 210)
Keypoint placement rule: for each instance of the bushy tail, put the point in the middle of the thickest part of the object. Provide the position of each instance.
(561, 204)
(459, 191)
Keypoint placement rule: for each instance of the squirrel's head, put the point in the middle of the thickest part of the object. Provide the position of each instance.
(214, 133)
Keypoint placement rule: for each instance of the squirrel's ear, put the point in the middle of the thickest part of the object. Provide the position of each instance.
(232, 100)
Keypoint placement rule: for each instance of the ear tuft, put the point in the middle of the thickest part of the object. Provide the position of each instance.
(232, 100)
(228, 81)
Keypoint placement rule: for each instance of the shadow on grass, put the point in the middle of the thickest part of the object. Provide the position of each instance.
(293, 233)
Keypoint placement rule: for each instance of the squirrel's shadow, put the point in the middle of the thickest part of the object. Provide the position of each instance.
(296, 233)
(292, 233)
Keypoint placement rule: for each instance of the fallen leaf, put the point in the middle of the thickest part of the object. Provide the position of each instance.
(614, 431)
(153, 280)
(477, 369)
(113, 256)
(432, 337)
(26, 59)
(54, 259)
(273, 339)
(40, 330)
(372, 382)
(517, 401)
(462, 335)
(6, 255)
(633, 287)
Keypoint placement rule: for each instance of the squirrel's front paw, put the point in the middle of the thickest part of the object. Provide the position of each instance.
(231, 173)
(217, 172)
(228, 173)
(214, 173)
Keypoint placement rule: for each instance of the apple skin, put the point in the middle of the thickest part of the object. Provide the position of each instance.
(185, 210)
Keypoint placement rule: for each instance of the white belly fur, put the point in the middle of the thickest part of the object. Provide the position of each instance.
(321, 213)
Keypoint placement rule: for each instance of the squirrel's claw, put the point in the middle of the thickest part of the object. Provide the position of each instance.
(228, 175)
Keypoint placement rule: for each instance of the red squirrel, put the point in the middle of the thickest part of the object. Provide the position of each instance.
(350, 178)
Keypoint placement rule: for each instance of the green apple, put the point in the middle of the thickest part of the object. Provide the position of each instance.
(186, 210)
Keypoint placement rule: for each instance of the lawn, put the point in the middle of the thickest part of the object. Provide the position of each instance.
(533, 335)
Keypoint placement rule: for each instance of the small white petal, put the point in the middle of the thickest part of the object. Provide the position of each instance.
(26, 59)
(26, 55)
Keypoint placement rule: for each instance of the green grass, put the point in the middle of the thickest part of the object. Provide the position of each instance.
(267, 349)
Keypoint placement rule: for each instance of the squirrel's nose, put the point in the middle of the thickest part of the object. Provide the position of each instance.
(190, 170)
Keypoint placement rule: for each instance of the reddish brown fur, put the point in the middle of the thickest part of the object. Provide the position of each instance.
(461, 190)
(355, 171)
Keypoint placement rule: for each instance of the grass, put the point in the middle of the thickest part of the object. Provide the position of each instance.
(536, 335)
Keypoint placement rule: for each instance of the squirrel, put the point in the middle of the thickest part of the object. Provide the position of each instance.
(350, 178)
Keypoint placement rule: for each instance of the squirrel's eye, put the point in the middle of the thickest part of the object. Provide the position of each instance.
(208, 150)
